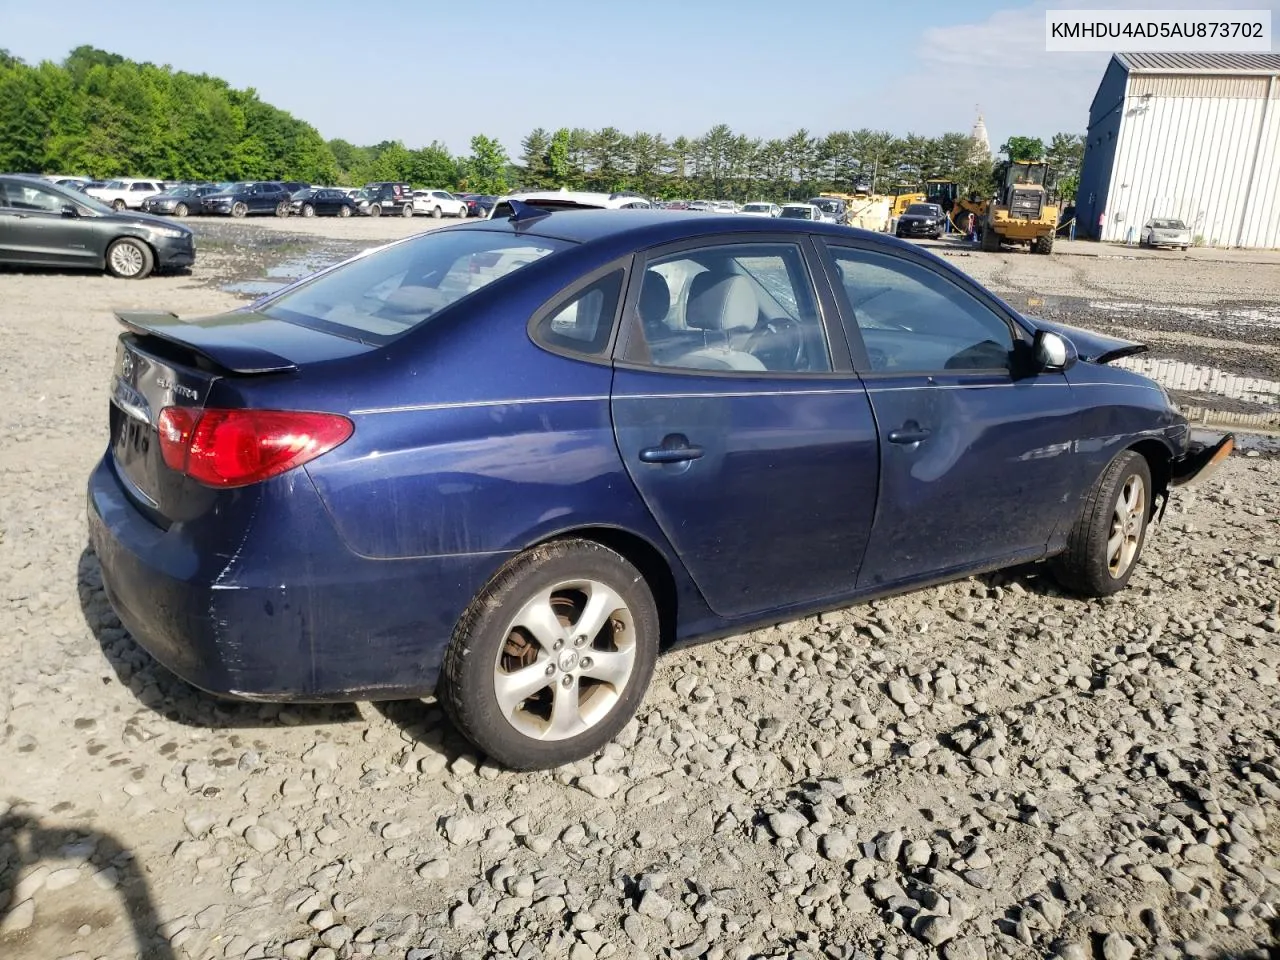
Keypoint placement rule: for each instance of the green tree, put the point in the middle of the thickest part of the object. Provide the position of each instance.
(534, 169)
(559, 158)
(487, 166)
(433, 166)
(1023, 148)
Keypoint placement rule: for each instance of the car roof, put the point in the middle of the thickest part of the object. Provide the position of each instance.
(648, 227)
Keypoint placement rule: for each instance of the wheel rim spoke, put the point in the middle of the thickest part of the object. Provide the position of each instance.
(611, 667)
(539, 618)
(1113, 547)
(566, 717)
(518, 686)
(600, 607)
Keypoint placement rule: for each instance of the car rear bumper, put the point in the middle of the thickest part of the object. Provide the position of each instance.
(290, 615)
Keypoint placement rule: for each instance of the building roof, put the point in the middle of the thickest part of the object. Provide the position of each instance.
(1238, 64)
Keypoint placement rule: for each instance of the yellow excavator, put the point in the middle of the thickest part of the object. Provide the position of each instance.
(1025, 209)
(946, 194)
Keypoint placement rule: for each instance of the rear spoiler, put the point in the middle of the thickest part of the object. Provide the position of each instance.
(213, 342)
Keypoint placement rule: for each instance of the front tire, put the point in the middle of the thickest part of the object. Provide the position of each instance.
(375, 210)
(130, 259)
(309, 211)
(180, 210)
(1104, 545)
(238, 210)
(1043, 245)
(553, 657)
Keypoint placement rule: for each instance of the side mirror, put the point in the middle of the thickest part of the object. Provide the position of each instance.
(70, 212)
(1051, 351)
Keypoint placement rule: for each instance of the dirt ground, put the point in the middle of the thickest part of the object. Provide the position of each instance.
(986, 769)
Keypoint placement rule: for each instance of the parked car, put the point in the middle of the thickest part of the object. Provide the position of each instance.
(922, 220)
(676, 205)
(702, 206)
(242, 199)
(800, 211)
(290, 510)
(323, 202)
(121, 194)
(1166, 232)
(833, 209)
(179, 201)
(478, 204)
(724, 206)
(571, 200)
(43, 224)
(79, 183)
(375, 199)
(759, 208)
(437, 203)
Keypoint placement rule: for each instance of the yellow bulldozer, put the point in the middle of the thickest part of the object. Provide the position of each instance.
(1025, 209)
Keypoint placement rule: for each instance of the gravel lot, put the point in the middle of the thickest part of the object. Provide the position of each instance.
(985, 769)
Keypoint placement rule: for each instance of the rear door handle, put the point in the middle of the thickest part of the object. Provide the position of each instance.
(909, 432)
(674, 449)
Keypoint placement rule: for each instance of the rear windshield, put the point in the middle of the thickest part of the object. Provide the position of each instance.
(393, 289)
(755, 207)
(798, 213)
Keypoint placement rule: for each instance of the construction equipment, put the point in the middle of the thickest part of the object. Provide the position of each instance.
(864, 210)
(1025, 210)
(903, 196)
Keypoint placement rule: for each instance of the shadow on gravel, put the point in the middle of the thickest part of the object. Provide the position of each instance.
(160, 691)
(26, 842)
(424, 722)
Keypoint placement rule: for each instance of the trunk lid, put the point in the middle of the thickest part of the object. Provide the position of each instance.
(162, 361)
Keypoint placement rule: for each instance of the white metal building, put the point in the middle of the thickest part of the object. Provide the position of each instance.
(1188, 135)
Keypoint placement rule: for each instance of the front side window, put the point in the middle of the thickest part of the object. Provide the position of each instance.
(26, 197)
(745, 307)
(389, 291)
(913, 319)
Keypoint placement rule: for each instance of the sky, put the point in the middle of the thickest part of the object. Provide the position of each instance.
(423, 71)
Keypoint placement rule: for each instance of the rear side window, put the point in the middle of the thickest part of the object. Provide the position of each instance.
(382, 294)
(582, 323)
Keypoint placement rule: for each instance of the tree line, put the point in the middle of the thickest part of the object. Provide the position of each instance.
(100, 114)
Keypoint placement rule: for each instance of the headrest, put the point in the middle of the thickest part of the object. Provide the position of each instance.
(721, 303)
(655, 298)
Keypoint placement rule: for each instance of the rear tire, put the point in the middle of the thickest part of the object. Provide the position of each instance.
(407, 210)
(344, 211)
(521, 636)
(1106, 542)
(130, 259)
(1043, 245)
(436, 213)
(282, 208)
(1184, 249)
(118, 205)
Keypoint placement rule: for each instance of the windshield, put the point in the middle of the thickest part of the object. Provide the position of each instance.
(922, 210)
(389, 291)
(1168, 225)
(798, 213)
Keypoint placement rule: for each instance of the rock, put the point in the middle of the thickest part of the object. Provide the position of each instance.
(747, 775)
(918, 853)
(398, 831)
(261, 839)
(461, 829)
(900, 692)
(337, 936)
(297, 949)
(323, 756)
(60, 879)
(888, 845)
(654, 905)
(964, 948)
(936, 930)
(18, 918)
(786, 824)
(599, 785)
(321, 920)
(436, 869)
(324, 953)
(463, 917)
(835, 847)
(1117, 947)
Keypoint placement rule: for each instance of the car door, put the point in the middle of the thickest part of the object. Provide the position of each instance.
(33, 229)
(977, 450)
(742, 424)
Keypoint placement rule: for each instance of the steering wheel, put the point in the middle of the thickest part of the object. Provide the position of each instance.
(777, 330)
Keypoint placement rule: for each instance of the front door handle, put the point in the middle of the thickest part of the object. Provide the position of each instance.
(675, 448)
(909, 432)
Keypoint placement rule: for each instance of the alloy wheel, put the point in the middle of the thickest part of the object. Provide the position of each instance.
(569, 653)
(1127, 520)
(126, 260)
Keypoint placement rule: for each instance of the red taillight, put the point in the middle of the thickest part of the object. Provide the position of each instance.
(233, 448)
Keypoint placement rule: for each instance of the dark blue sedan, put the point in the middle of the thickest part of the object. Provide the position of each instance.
(507, 462)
